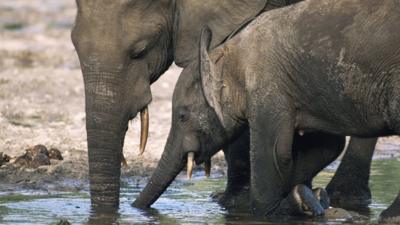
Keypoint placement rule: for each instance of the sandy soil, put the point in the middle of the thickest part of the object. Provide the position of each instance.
(42, 99)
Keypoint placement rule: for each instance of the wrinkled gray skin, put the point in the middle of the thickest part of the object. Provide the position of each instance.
(123, 47)
(349, 187)
(289, 78)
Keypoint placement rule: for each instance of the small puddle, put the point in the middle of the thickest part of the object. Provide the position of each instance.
(185, 202)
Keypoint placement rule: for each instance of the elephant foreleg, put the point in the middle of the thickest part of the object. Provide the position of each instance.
(349, 186)
(271, 155)
(236, 195)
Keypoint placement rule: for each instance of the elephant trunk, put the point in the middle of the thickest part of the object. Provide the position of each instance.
(106, 125)
(167, 169)
(104, 167)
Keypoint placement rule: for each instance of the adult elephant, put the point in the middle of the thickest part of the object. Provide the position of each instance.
(126, 45)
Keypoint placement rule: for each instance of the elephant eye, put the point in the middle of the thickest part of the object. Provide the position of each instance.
(137, 54)
(138, 50)
(183, 115)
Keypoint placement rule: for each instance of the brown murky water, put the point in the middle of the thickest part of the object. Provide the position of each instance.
(185, 202)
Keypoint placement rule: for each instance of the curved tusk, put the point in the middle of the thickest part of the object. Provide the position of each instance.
(190, 164)
(123, 160)
(207, 168)
(144, 127)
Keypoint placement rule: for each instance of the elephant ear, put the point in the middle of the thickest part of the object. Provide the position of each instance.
(211, 80)
(221, 16)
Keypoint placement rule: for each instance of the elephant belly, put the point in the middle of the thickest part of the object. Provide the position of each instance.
(341, 124)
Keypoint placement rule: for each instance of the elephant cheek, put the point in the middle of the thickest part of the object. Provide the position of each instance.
(190, 143)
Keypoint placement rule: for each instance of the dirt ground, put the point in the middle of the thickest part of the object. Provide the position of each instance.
(42, 100)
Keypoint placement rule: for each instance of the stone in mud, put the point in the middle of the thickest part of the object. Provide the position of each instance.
(337, 213)
(55, 154)
(32, 161)
(40, 160)
(390, 220)
(4, 158)
(344, 216)
(22, 160)
(37, 156)
(35, 150)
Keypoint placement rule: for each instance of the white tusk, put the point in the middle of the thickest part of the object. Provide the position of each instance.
(144, 127)
(190, 164)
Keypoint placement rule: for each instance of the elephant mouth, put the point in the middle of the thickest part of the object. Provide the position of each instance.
(193, 160)
(190, 162)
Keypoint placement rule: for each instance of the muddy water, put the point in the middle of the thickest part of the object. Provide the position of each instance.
(184, 203)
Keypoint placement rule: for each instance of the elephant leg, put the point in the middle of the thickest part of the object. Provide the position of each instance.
(391, 215)
(271, 136)
(311, 154)
(349, 186)
(236, 194)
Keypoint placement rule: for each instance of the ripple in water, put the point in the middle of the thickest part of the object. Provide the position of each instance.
(185, 202)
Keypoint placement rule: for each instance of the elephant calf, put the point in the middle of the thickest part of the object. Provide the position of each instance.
(318, 70)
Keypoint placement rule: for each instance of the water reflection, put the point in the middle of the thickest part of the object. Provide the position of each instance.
(184, 203)
(158, 218)
(103, 218)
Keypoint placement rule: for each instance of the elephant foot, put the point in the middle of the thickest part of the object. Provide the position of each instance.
(349, 196)
(217, 196)
(389, 219)
(391, 215)
(233, 200)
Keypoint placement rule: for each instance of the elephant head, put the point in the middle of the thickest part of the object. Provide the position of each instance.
(200, 126)
(123, 47)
